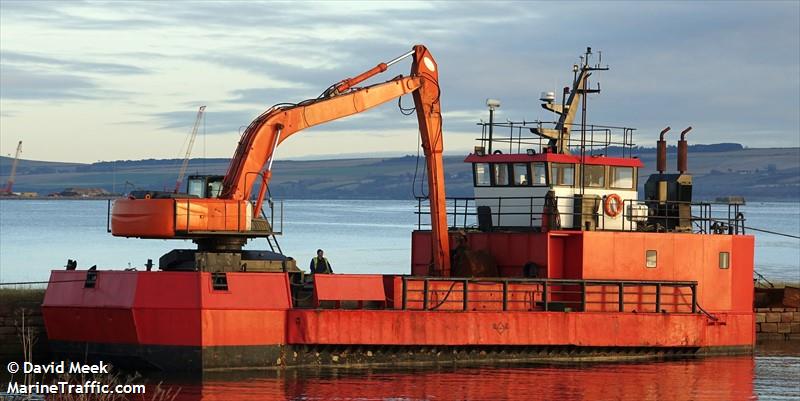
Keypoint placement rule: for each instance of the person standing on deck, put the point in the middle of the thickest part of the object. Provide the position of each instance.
(320, 264)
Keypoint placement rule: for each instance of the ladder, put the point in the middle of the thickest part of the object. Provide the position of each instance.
(272, 239)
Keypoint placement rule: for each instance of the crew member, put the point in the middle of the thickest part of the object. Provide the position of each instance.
(320, 264)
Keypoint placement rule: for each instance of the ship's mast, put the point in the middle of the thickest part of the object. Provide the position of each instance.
(559, 136)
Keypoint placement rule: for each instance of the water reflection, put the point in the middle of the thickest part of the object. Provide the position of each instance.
(723, 378)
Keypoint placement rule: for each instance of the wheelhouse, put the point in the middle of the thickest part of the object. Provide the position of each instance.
(587, 189)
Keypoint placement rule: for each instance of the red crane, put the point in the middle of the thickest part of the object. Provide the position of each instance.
(10, 182)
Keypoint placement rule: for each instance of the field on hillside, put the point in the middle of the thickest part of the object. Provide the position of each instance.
(755, 173)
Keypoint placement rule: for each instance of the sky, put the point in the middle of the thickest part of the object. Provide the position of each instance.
(90, 81)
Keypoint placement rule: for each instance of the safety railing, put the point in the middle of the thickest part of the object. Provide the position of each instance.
(532, 213)
(515, 137)
(702, 218)
(530, 294)
(262, 223)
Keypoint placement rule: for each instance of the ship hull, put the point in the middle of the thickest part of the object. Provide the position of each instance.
(196, 360)
(177, 322)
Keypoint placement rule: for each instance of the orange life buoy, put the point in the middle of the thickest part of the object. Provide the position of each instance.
(613, 205)
(147, 196)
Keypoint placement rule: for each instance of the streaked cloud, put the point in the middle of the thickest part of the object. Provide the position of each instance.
(122, 69)
(29, 85)
(31, 60)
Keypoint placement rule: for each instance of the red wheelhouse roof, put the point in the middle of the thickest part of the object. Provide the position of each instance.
(554, 157)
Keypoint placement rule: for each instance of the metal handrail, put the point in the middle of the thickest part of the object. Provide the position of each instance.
(547, 290)
(589, 144)
(703, 219)
(238, 215)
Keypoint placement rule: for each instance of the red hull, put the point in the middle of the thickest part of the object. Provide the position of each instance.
(195, 316)
(137, 310)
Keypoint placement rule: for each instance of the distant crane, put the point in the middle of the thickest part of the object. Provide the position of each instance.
(193, 135)
(10, 182)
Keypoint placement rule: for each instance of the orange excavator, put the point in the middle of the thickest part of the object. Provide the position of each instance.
(217, 212)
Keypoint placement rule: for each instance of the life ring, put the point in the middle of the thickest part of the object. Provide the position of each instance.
(148, 196)
(612, 205)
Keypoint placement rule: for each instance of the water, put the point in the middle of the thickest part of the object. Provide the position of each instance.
(363, 236)
(373, 236)
(776, 256)
(358, 236)
(771, 376)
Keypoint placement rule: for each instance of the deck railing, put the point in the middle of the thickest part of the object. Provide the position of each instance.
(516, 137)
(706, 217)
(530, 294)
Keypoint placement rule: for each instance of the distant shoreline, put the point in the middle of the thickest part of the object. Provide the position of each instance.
(32, 198)
(98, 198)
(754, 173)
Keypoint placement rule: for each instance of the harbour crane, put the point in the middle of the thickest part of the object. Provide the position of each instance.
(10, 182)
(189, 146)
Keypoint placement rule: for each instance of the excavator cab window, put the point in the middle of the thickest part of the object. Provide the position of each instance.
(196, 187)
(214, 189)
(205, 186)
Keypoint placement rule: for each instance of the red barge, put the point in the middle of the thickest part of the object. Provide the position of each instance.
(555, 257)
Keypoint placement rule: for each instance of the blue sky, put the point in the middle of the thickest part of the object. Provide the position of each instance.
(88, 81)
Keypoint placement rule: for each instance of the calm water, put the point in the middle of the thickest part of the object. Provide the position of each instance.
(373, 236)
(358, 237)
(772, 375)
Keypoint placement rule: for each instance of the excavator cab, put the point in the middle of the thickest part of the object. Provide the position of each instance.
(197, 186)
(204, 186)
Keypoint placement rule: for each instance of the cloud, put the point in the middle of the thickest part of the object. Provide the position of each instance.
(28, 60)
(214, 122)
(83, 15)
(28, 85)
(28, 76)
(267, 96)
(729, 69)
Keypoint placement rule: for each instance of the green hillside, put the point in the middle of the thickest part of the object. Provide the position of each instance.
(755, 173)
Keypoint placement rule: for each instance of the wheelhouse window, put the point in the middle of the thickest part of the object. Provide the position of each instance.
(563, 174)
(594, 176)
(482, 177)
(500, 174)
(621, 177)
(521, 175)
(539, 171)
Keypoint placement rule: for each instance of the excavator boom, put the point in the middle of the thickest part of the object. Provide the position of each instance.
(252, 162)
(261, 139)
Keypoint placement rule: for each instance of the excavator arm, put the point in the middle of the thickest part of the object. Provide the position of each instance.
(259, 142)
(254, 155)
